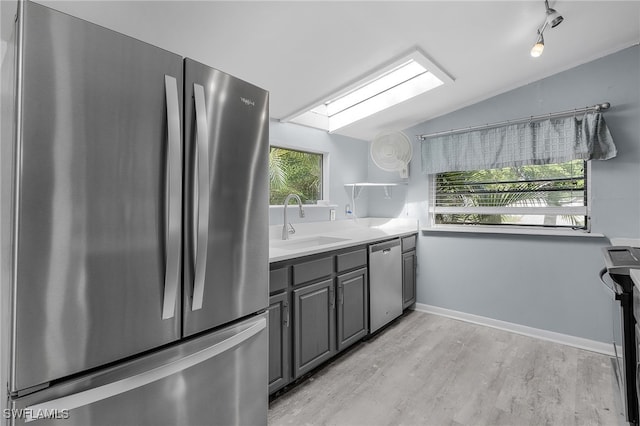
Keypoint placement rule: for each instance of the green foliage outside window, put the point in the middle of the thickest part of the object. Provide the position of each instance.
(532, 186)
(294, 172)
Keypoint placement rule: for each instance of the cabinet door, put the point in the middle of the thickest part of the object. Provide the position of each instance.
(279, 341)
(314, 325)
(408, 279)
(352, 307)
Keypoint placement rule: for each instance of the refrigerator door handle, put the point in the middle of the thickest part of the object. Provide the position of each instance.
(103, 392)
(173, 187)
(202, 194)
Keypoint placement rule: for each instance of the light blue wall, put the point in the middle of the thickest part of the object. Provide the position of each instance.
(347, 164)
(543, 282)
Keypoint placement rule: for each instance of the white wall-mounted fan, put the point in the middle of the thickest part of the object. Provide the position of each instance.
(392, 152)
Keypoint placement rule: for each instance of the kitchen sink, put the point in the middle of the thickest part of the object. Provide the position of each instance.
(301, 243)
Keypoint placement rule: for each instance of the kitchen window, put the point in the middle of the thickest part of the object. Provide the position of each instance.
(531, 196)
(295, 172)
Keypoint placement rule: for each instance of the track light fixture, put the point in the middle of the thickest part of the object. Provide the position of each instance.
(553, 19)
(537, 48)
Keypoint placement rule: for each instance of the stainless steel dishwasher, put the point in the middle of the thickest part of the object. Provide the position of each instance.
(385, 283)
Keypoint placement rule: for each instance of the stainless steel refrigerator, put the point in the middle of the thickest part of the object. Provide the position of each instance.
(134, 233)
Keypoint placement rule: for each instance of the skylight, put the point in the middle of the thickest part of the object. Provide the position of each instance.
(397, 82)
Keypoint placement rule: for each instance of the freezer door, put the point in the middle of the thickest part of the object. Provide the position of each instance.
(226, 247)
(97, 231)
(216, 379)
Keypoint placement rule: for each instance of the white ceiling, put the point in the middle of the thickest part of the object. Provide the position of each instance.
(302, 51)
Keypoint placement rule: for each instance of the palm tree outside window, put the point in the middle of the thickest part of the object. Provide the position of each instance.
(550, 195)
(294, 172)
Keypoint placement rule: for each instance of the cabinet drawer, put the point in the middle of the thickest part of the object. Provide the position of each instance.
(278, 279)
(351, 260)
(408, 243)
(312, 270)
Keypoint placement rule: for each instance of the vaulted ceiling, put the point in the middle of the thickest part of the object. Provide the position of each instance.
(302, 51)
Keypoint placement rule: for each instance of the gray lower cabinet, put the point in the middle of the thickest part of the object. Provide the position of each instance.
(314, 329)
(408, 278)
(318, 306)
(352, 307)
(409, 264)
(279, 341)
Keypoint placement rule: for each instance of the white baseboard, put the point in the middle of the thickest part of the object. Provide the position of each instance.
(564, 339)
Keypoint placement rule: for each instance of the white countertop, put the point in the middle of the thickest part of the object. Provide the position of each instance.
(354, 232)
(632, 242)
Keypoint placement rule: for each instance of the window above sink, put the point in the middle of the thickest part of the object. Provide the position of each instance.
(293, 171)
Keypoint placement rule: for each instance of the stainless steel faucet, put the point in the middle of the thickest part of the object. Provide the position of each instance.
(285, 227)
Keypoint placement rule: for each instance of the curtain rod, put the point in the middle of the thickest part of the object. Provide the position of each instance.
(594, 108)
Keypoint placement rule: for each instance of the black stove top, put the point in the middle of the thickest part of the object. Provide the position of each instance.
(619, 260)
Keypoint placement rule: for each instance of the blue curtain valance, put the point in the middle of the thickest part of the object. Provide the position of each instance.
(549, 141)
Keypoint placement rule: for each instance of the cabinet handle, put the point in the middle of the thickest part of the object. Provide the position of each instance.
(285, 305)
(341, 295)
(332, 297)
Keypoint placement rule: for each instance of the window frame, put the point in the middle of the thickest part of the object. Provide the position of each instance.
(325, 169)
(512, 228)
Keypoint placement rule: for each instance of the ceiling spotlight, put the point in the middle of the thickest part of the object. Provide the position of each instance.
(553, 17)
(537, 48)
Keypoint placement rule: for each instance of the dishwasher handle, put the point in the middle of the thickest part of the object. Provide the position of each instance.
(384, 247)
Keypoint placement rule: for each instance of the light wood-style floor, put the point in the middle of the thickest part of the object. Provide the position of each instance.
(430, 370)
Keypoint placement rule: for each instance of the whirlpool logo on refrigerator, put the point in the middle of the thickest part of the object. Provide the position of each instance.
(248, 102)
